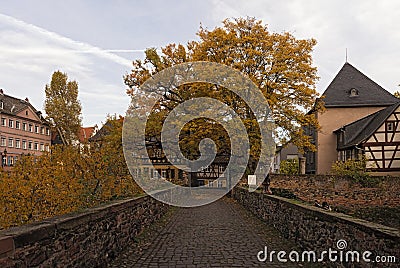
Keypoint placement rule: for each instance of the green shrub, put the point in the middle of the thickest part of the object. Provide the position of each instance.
(355, 169)
(289, 167)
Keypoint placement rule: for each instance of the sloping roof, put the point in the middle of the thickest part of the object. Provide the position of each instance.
(104, 130)
(12, 105)
(85, 133)
(360, 130)
(369, 93)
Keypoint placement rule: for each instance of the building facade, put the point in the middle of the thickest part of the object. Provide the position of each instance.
(287, 152)
(376, 136)
(350, 97)
(23, 130)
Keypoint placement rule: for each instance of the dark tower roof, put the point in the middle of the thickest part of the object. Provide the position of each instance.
(352, 88)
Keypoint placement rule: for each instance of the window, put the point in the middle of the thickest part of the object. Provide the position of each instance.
(30, 128)
(17, 125)
(10, 161)
(3, 141)
(10, 142)
(3, 121)
(15, 159)
(24, 145)
(47, 131)
(24, 126)
(4, 160)
(353, 92)
(36, 129)
(42, 147)
(42, 130)
(390, 126)
(29, 145)
(10, 123)
(1, 105)
(36, 146)
(47, 148)
(17, 143)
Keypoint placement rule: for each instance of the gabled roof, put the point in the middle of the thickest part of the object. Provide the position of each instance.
(85, 133)
(12, 106)
(360, 130)
(105, 130)
(368, 93)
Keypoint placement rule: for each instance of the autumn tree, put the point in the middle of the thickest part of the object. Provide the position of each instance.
(63, 107)
(107, 175)
(278, 63)
(39, 187)
(66, 179)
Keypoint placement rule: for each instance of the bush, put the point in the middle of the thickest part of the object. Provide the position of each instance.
(356, 169)
(289, 167)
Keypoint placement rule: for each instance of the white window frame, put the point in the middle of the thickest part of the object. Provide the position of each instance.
(10, 142)
(18, 143)
(3, 141)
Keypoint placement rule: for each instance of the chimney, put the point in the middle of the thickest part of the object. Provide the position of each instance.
(26, 99)
(1, 91)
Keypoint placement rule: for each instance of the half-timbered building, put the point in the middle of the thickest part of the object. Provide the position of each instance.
(377, 136)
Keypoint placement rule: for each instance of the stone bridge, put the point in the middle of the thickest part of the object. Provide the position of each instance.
(244, 230)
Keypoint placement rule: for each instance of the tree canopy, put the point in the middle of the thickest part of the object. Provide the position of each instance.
(63, 107)
(278, 63)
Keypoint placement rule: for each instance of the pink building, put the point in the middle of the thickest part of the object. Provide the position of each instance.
(23, 130)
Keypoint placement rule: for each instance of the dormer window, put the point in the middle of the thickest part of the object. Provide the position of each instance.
(353, 92)
(1, 105)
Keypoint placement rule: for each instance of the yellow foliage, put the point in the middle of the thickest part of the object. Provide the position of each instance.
(66, 180)
(278, 63)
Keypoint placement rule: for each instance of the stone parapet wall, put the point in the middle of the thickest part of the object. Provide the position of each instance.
(341, 191)
(87, 239)
(316, 229)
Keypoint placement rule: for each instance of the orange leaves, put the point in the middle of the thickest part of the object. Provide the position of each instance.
(279, 63)
(65, 180)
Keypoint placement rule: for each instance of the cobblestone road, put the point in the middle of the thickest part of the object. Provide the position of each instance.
(221, 234)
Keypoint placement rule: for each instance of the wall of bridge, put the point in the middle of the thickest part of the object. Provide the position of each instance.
(87, 239)
(315, 229)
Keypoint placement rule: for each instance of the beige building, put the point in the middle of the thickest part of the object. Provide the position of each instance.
(351, 96)
(377, 136)
(23, 130)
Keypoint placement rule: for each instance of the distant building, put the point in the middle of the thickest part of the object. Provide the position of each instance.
(23, 130)
(156, 165)
(360, 118)
(85, 133)
(289, 151)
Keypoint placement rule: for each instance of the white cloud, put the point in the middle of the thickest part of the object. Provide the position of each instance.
(29, 55)
(368, 29)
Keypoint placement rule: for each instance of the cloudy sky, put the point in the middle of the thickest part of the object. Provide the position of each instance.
(95, 41)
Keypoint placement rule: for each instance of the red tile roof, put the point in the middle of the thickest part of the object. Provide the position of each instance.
(85, 133)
